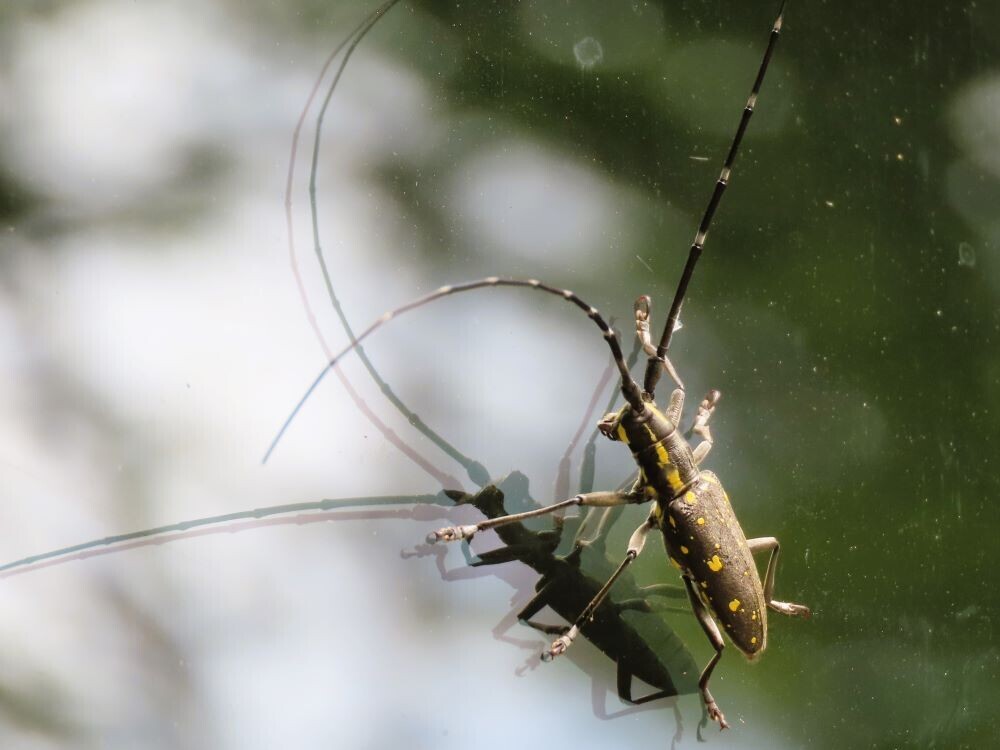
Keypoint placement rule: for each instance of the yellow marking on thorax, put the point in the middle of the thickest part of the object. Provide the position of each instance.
(674, 478)
(715, 564)
(622, 435)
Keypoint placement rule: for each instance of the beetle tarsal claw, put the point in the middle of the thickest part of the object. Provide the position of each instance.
(716, 715)
(560, 644)
(451, 534)
(795, 610)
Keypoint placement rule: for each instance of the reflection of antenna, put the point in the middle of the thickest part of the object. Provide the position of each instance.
(446, 480)
(153, 534)
(476, 471)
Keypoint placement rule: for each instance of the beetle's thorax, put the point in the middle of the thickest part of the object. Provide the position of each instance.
(664, 457)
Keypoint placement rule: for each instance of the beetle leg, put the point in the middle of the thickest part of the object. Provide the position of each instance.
(763, 544)
(538, 602)
(700, 426)
(643, 604)
(715, 638)
(625, 689)
(596, 499)
(643, 308)
(635, 545)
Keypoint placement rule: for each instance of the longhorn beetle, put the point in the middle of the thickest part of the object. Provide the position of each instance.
(703, 537)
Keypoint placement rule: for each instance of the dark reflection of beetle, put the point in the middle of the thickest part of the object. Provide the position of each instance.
(628, 629)
(640, 645)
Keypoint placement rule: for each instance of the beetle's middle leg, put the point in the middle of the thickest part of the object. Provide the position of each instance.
(763, 544)
(589, 499)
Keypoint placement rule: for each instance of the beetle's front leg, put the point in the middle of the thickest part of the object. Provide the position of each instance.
(763, 544)
(589, 499)
(700, 426)
(643, 309)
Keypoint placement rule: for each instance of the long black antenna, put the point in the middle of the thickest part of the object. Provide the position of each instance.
(629, 388)
(475, 470)
(654, 368)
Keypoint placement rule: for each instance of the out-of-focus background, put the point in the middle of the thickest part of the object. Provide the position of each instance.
(152, 340)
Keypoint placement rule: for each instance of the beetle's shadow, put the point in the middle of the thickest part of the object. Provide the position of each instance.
(636, 641)
(629, 630)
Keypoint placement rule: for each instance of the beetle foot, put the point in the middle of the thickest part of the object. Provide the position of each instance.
(716, 715)
(792, 610)
(452, 534)
(560, 644)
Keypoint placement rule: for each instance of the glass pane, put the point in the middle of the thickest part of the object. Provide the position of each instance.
(168, 297)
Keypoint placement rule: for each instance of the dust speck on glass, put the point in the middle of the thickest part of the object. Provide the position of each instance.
(171, 287)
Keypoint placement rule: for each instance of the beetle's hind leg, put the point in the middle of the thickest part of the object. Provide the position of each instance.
(715, 638)
(763, 544)
(700, 426)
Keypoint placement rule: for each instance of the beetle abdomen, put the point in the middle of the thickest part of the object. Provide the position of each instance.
(706, 542)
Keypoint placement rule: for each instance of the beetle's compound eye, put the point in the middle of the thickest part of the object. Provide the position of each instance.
(609, 425)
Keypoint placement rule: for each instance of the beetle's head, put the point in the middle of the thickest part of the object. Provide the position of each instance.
(636, 430)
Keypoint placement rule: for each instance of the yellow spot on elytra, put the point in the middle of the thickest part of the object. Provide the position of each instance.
(715, 564)
(675, 563)
(673, 522)
(753, 615)
(700, 521)
(689, 498)
(734, 605)
(684, 549)
(718, 546)
(753, 640)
